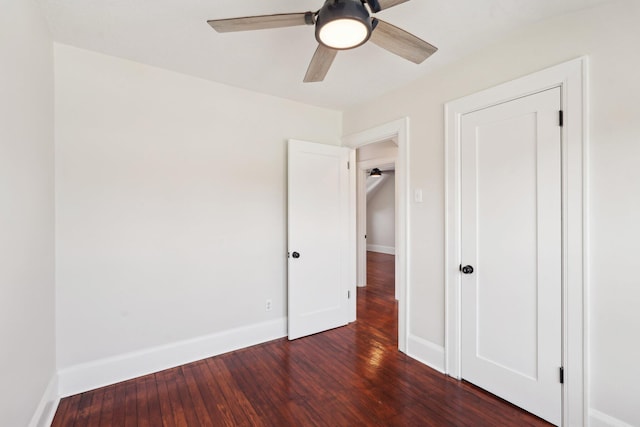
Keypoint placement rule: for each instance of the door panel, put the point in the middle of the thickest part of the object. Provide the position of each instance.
(318, 225)
(511, 235)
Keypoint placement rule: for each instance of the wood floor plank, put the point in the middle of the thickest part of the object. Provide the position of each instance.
(270, 397)
(66, 412)
(167, 380)
(118, 412)
(106, 413)
(167, 412)
(349, 376)
(61, 411)
(211, 396)
(142, 402)
(199, 406)
(95, 410)
(152, 397)
(241, 410)
(181, 391)
(82, 409)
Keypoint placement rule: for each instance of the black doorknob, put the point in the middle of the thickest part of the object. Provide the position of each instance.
(295, 255)
(467, 269)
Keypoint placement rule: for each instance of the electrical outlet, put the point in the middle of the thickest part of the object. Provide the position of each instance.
(268, 305)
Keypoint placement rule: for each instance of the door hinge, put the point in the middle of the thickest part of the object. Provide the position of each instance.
(561, 118)
(348, 294)
(348, 165)
(561, 375)
(365, 236)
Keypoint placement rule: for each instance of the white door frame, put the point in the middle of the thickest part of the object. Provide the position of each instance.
(361, 219)
(570, 77)
(398, 131)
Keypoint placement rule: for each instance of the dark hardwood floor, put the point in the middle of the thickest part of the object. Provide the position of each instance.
(350, 376)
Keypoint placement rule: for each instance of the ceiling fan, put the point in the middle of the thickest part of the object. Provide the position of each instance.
(339, 25)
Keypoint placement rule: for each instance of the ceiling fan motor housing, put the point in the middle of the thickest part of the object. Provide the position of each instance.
(374, 5)
(340, 10)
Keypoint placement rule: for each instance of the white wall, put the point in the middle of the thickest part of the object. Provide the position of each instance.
(379, 150)
(608, 35)
(381, 219)
(27, 340)
(170, 208)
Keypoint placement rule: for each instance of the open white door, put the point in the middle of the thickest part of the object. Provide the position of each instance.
(318, 242)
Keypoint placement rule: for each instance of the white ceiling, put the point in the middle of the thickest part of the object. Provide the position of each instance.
(174, 34)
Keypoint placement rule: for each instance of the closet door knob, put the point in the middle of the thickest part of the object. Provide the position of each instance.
(467, 269)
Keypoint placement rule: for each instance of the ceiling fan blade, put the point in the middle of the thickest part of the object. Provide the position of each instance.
(386, 4)
(401, 43)
(262, 22)
(320, 64)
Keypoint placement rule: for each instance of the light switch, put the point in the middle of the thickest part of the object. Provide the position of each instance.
(418, 195)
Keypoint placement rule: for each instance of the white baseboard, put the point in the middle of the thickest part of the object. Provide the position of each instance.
(426, 352)
(43, 416)
(390, 250)
(600, 419)
(100, 373)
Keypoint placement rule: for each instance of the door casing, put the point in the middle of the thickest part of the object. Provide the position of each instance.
(570, 77)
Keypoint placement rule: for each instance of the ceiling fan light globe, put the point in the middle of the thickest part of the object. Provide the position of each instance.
(343, 24)
(343, 33)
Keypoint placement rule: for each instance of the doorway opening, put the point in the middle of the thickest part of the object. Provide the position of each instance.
(376, 225)
(395, 133)
(376, 203)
